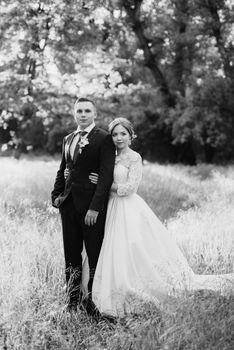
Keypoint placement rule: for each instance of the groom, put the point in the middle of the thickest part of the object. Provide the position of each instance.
(82, 204)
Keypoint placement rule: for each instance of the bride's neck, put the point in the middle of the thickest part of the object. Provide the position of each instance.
(121, 152)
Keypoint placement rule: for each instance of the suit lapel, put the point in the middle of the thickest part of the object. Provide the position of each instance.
(92, 133)
(68, 145)
(90, 137)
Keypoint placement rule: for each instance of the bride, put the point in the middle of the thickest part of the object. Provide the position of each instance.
(139, 259)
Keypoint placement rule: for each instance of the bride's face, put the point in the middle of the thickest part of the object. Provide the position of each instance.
(121, 137)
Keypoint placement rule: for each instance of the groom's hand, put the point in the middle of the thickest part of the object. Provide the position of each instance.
(56, 202)
(91, 217)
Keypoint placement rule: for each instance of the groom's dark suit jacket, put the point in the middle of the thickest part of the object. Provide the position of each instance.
(98, 156)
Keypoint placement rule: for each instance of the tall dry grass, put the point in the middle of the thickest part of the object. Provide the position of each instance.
(196, 203)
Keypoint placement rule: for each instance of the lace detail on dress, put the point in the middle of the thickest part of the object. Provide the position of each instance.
(133, 163)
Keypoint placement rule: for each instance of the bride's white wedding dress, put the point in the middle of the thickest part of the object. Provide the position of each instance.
(139, 259)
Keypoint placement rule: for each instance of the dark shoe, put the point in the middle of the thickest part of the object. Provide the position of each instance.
(74, 301)
(73, 298)
(91, 309)
(71, 307)
(108, 319)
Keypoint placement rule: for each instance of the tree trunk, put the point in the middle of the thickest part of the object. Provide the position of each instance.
(216, 27)
(133, 11)
(183, 48)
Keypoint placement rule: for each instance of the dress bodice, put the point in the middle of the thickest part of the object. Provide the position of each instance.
(128, 173)
(120, 173)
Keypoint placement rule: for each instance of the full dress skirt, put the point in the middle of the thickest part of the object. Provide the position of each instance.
(139, 259)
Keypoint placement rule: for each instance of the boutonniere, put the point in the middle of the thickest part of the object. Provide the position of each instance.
(82, 143)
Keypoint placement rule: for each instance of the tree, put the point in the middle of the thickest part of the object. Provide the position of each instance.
(154, 61)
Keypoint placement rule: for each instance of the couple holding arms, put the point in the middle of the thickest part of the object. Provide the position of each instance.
(131, 256)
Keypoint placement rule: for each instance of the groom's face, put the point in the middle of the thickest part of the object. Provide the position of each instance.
(85, 113)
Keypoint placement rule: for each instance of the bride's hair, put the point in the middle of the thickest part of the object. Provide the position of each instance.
(125, 123)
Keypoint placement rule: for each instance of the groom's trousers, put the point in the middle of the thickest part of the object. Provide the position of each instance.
(75, 234)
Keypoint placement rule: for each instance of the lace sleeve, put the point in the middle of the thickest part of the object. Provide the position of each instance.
(134, 177)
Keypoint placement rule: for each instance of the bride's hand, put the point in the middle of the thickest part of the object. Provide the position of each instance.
(114, 187)
(93, 177)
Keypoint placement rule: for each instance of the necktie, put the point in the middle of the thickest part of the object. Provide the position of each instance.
(83, 133)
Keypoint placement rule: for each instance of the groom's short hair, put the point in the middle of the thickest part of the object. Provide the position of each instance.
(86, 99)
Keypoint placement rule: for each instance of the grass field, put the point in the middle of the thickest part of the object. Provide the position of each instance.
(197, 205)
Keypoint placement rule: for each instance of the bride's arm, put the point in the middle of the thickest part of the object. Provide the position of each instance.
(134, 178)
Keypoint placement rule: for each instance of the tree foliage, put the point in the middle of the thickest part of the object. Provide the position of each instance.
(166, 64)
